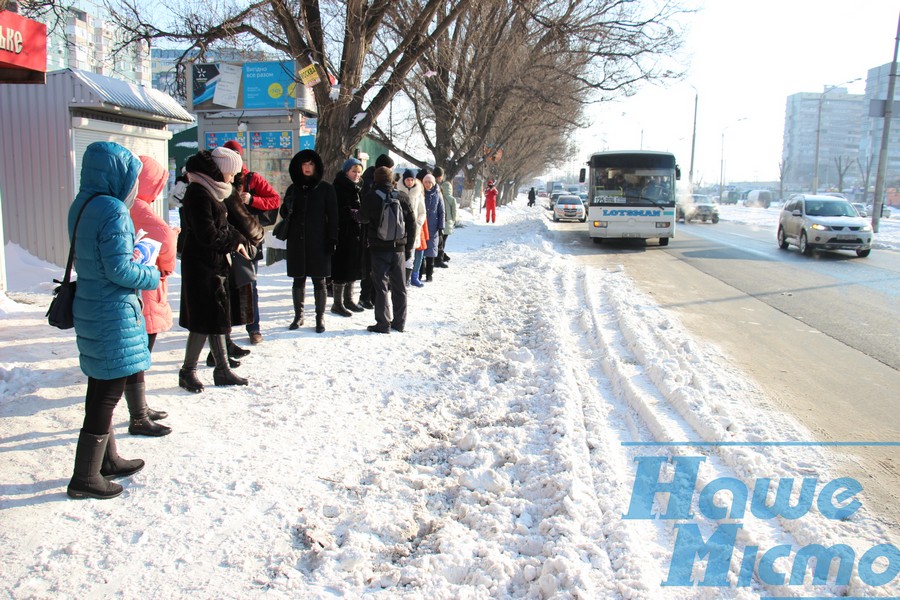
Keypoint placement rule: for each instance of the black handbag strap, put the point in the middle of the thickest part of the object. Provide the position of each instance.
(72, 246)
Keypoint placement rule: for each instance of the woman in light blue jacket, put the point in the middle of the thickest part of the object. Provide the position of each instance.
(109, 326)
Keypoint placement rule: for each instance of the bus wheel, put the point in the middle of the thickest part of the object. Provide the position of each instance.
(663, 241)
(597, 240)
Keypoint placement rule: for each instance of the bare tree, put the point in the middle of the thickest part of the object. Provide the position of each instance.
(842, 169)
(510, 65)
(865, 173)
(336, 37)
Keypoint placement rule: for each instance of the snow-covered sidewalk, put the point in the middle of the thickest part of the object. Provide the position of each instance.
(480, 454)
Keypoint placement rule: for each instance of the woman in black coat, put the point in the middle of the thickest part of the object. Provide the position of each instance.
(209, 241)
(247, 225)
(310, 207)
(347, 262)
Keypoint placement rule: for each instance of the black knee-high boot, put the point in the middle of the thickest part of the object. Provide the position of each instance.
(116, 466)
(87, 482)
(298, 294)
(338, 307)
(321, 297)
(235, 351)
(222, 374)
(349, 304)
(187, 376)
(141, 424)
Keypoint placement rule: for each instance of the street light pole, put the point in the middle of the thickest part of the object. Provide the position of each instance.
(694, 145)
(815, 181)
(722, 168)
(722, 158)
(878, 201)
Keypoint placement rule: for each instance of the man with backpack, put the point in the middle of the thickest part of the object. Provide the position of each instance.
(392, 234)
(366, 296)
(263, 202)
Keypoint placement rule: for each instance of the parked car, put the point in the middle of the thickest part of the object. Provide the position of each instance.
(569, 206)
(861, 209)
(697, 206)
(760, 198)
(818, 222)
(554, 196)
(885, 211)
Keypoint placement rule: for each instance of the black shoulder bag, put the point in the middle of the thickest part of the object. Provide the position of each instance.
(60, 312)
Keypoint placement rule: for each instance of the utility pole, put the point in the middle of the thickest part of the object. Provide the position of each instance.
(693, 146)
(878, 202)
(815, 181)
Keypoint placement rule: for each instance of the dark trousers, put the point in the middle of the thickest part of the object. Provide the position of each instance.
(254, 326)
(388, 274)
(442, 241)
(100, 402)
(365, 286)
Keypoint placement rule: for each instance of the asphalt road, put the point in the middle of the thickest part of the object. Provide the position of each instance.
(820, 335)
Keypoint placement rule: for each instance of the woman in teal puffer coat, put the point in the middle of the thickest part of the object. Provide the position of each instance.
(109, 326)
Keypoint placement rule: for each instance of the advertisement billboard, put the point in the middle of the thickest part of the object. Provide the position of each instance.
(253, 85)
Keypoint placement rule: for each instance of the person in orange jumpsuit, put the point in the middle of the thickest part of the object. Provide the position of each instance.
(490, 203)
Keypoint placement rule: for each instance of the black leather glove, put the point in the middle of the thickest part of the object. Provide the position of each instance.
(330, 246)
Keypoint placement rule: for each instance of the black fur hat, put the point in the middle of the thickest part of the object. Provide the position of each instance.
(296, 172)
(202, 162)
(384, 160)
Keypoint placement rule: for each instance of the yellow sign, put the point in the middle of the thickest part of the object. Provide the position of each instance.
(310, 76)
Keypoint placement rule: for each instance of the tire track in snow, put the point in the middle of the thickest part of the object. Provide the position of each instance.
(637, 550)
(681, 391)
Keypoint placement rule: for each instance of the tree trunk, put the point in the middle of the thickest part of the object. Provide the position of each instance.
(335, 139)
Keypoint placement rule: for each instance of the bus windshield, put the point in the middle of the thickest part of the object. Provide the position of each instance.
(632, 180)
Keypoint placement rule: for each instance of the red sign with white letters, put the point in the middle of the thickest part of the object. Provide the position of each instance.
(23, 49)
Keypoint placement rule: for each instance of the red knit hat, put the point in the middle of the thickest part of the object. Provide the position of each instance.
(234, 145)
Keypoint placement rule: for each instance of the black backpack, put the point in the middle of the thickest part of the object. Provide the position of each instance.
(391, 223)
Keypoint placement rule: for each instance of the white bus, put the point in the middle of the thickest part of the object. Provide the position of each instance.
(631, 194)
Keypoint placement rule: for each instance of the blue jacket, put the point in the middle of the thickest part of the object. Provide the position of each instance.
(109, 326)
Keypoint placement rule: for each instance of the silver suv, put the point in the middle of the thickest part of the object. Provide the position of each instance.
(814, 222)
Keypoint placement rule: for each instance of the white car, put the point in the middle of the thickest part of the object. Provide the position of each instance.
(885, 211)
(569, 207)
(818, 222)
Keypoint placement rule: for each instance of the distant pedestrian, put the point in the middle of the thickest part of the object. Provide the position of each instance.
(490, 202)
(532, 196)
